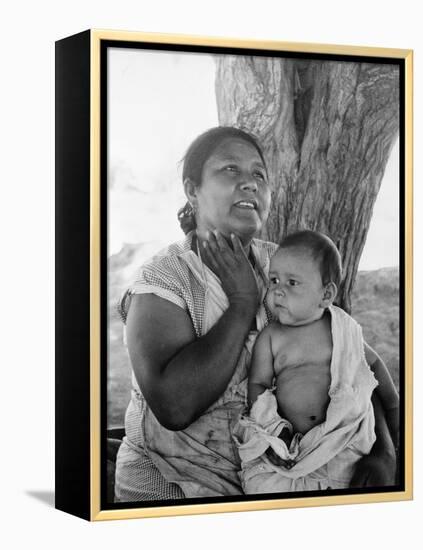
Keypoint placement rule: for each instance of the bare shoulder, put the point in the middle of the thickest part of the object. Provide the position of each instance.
(280, 335)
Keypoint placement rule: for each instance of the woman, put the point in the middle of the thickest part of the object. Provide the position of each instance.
(191, 321)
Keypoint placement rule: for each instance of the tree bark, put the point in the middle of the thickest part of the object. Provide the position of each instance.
(327, 129)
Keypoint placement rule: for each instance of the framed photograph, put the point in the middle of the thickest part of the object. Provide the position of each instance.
(233, 275)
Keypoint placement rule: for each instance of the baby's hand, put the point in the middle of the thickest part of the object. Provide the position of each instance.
(277, 460)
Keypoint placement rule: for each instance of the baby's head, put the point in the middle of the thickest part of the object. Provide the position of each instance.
(304, 277)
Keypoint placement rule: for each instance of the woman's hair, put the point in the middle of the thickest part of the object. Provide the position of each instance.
(197, 155)
(323, 251)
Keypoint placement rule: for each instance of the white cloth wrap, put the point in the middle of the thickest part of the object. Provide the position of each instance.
(329, 451)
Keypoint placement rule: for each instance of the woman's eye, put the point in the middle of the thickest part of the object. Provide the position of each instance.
(231, 168)
(260, 176)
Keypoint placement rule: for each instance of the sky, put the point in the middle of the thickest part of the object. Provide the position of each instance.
(158, 103)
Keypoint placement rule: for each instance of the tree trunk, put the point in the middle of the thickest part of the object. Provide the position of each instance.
(327, 129)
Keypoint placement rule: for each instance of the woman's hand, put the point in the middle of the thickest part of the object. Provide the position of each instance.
(233, 269)
(374, 470)
(378, 468)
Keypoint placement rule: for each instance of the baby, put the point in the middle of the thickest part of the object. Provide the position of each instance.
(310, 385)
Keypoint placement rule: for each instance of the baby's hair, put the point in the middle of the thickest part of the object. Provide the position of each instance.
(197, 155)
(322, 250)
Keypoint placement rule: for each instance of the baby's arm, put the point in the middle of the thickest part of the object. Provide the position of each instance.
(260, 379)
(261, 372)
(386, 392)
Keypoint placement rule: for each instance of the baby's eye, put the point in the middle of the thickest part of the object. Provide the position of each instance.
(274, 280)
(293, 282)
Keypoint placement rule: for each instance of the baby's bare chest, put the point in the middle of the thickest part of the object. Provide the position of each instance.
(302, 359)
(305, 351)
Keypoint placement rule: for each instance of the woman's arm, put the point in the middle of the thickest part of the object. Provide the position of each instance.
(386, 392)
(181, 375)
(261, 370)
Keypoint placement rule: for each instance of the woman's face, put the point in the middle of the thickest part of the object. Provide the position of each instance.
(234, 194)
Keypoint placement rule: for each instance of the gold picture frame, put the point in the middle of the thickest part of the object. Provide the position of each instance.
(81, 163)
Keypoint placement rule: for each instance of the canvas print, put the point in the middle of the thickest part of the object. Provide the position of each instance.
(254, 276)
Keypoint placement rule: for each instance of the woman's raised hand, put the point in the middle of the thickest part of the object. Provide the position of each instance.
(233, 269)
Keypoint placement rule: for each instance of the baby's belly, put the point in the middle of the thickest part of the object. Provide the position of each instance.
(302, 395)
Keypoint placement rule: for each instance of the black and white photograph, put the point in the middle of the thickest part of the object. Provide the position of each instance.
(255, 310)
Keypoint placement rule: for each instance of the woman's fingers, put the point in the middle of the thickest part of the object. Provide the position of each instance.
(213, 253)
(232, 267)
(229, 254)
(221, 250)
(210, 257)
(238, 248)
(221, 241)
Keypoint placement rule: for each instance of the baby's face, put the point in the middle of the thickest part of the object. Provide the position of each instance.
(296, 290)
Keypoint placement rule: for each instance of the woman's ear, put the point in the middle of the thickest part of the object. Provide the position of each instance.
(329, 294)
(191, 191)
